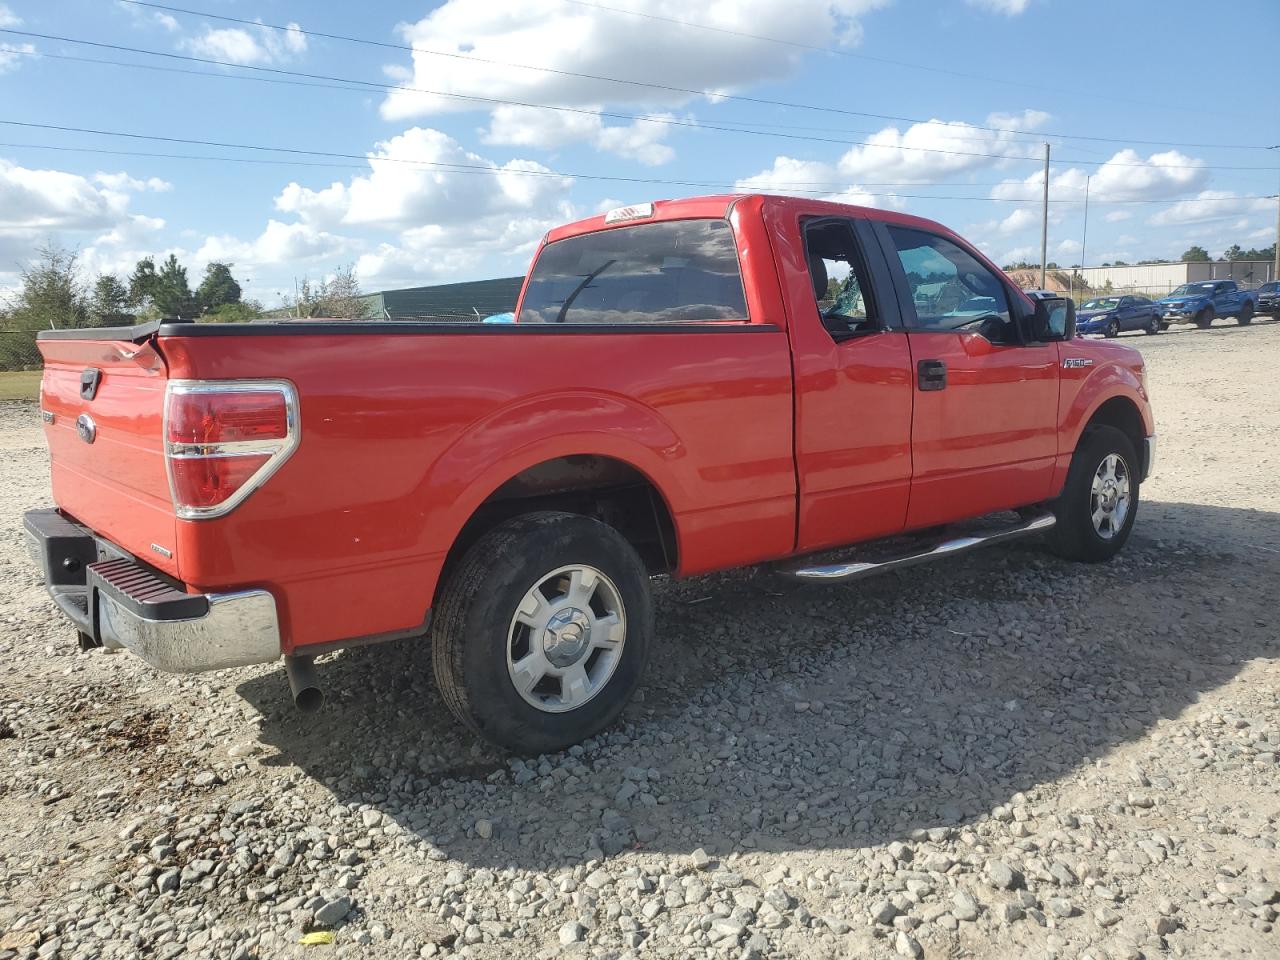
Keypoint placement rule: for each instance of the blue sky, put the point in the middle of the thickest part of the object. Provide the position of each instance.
(938, 108)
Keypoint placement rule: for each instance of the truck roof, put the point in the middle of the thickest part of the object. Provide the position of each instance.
(719, 205)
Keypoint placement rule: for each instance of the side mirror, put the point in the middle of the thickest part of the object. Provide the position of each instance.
(1054, 319)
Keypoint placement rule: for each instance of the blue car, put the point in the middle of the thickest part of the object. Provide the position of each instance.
(1111, 316)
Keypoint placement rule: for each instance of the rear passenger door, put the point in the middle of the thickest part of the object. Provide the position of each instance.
(984, 425)
(852, 382)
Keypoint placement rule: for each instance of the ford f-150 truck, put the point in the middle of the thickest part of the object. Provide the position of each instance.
(689, 386)
(1200, 303)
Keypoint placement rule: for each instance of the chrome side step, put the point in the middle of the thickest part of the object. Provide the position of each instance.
(857, 569)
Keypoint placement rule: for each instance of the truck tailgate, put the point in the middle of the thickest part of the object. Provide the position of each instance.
(102, 401)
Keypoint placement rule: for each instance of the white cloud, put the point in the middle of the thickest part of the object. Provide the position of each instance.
(54, 200)
(279, 243)
(255, 45)
(1210, 206)
(1020, 219)
(1126, 176)
(640, 140)
(425, 176)
(124, 182)
(1117, 216)
(142, 16)
(931, 151)
(1010, 8)
(8, 18)
(813, 178)
(583, 40)
(12, 55)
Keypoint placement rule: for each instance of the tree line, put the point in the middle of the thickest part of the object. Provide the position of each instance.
(54, 292)
(1195, 254)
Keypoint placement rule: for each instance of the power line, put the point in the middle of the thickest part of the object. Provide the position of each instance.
(809, 186)
(668, 88)
(663, 120)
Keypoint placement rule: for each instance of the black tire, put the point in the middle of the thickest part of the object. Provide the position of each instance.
(1113, 329)
(1204, 319)
(1164, 326)
(1075, 537)
(1153, 326)
(1246, 315)
(472, 631)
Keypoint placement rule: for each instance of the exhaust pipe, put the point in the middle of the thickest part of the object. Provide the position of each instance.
(303, 683)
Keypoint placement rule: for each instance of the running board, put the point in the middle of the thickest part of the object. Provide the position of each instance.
(857, 569)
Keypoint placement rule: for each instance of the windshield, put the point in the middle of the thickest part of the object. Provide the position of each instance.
(1107, 303)
(1269, 287)
(1192, 290)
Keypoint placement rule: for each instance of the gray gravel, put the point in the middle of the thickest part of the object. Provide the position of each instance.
(1003, 756)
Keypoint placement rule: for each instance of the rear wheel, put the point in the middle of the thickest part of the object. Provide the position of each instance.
(1100, 498)
(1245, 316)
(1204, 319)
(542, 632)
(1153, 326)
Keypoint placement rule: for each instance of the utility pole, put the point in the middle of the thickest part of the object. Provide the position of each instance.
(1084, 238)
(1044, 225)
(1275, 267)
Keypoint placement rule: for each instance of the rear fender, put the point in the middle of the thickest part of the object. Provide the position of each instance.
(525, 434)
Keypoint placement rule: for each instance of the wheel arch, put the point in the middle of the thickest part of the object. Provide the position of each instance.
(605, 487)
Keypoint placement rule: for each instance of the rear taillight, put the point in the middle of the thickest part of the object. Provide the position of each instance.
(223, 439)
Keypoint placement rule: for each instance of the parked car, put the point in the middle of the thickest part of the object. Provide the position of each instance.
(1269, 300)
(1200, 303)
(689, 386)
(1110, 316)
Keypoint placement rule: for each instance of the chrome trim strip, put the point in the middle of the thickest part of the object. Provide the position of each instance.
(1148, 457)
(230, 448)
(239, 629)
(843, 572)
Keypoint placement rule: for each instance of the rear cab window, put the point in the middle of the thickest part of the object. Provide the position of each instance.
(669, 272)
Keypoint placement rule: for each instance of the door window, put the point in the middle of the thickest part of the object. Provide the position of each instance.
(950, 288)
(840, 286)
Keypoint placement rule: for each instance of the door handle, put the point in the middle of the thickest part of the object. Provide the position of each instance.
(932, 375)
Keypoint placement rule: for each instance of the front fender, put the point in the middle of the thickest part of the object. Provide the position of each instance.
(1083, 392)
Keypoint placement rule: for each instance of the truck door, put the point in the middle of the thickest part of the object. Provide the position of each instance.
(984, 424)
(853, 383)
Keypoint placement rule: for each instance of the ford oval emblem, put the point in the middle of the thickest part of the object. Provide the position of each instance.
(87, 429)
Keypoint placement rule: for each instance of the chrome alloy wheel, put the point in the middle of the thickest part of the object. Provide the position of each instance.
(1109, 498)
(566, 637)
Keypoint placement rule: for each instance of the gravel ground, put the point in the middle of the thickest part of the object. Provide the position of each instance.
(1002, 756)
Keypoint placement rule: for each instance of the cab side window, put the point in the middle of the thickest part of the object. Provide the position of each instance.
(841, 289)
(950, 288)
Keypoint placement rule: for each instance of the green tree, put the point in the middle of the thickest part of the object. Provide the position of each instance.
(109, 302)
(51, 294)
(1196, 254)
(172, 294)
(241, 312)
(1233, 252)
(142, 284)
(218, 288)
(338, 296)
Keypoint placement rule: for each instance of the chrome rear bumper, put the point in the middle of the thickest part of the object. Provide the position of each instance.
(119, 603)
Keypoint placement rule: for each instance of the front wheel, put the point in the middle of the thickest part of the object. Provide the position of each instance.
(542, 631)
(1113, 329)
(1204, 319)
(1100, 498)
(1246, 315)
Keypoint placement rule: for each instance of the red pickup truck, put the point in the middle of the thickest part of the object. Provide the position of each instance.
(689, 386)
